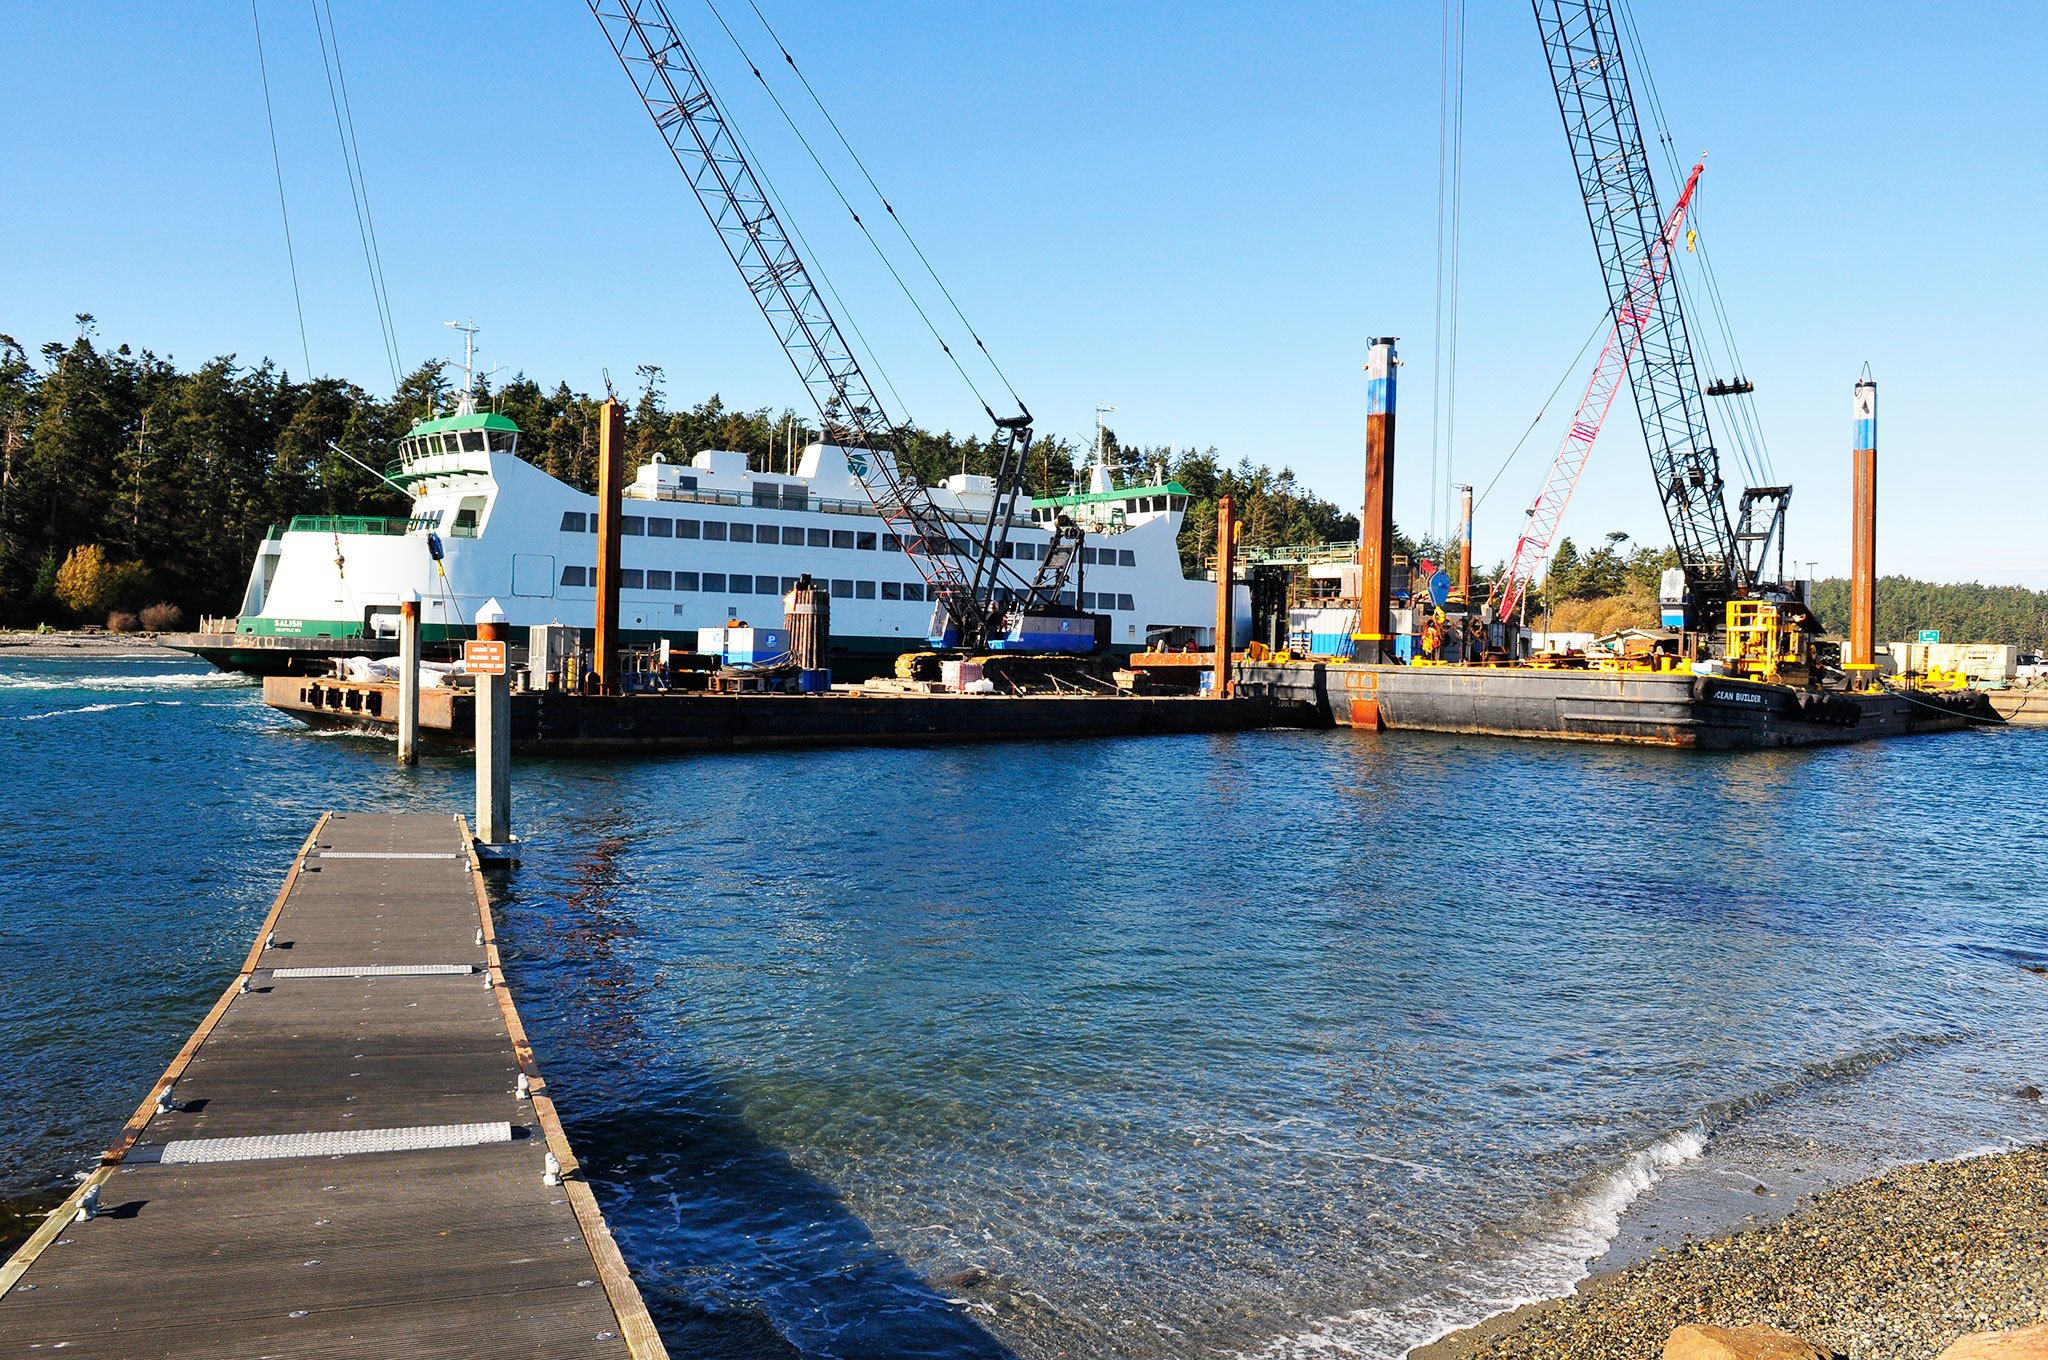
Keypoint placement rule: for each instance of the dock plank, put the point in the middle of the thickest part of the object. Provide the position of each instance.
(457, 1251)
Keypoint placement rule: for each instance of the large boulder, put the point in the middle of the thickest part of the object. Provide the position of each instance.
(2025, 1343)
(1698, 1341)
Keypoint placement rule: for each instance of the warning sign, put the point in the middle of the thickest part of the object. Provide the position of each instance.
(483, 658)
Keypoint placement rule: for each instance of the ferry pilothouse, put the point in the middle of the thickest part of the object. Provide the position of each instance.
(705, 542)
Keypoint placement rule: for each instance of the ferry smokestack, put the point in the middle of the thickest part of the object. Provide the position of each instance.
(611, 458)
(1226, 557)
(1861, 662)
(1376, 520)
(1465, 544)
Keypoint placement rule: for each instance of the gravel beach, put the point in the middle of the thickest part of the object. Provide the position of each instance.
(83, 646)
(1891, 1268)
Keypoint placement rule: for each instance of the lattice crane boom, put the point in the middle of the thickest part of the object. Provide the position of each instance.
(1545, 513)
(669, 81)
(1583, 45)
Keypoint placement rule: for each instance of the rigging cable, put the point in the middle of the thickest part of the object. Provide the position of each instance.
(1444, 340)
(1748, 431)
(812, 264)
(359, 196)
(882, 198)
(277, 164)
(1600, 327)
(847, 203)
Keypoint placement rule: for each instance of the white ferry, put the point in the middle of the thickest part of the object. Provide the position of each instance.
(706, 542)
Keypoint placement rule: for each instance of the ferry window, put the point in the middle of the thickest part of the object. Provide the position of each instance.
(686, 528)
(1087, 599)
(891, 543)
(714, 583)
(771, 534)
(1067, 598)
(632, 578)
(767, 497)
(796, 497)
(960, 546)
(1028, 551)
(572, 522)
(658, 580)
(767, 585)
(842, 538)
(892, 590)
(1125, 602)
(1088, 557)
(863, 590)
(465, 518)
(913, 591)
(472, 441)
(842, 590)
(819, 538)
(502, 441)
(1126, 557)
(788, 584)
(686, 580)
(635, 525)
(572, 575)
(1176, 502)
(660, 526)
(687, 482)
(743, 533)
(714, 529)
(865, 542)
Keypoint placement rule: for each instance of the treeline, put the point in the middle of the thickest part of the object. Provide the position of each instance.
(173, 476)
(2011, 615)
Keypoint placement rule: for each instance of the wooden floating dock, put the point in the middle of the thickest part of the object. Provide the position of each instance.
(344, 1158)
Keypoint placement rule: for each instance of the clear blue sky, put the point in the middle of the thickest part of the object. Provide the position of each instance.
(1197, 212)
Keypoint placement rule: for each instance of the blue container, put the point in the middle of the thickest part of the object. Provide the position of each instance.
(813, 682)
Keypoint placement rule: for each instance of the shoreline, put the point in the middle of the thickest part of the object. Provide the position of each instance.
(33, 646)
(1892, 1267)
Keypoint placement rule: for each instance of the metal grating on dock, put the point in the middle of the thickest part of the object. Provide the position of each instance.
(378, 970)
(343, 1159)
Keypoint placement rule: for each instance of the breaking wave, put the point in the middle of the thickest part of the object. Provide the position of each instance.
(1553, 1257)
(180, 680)
(94, 708)
(1550, 1262)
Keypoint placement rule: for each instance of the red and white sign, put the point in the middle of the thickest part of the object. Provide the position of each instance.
(483, 658)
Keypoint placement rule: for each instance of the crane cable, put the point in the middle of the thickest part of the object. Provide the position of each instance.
(358, 184)
(1751, 445)
(887, 206)
(847, 203)
(1449, 206)
(277, 164)
(1600, 327)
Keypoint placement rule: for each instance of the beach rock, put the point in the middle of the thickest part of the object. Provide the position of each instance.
(1697, 1341)
(2026, 1343)
(2028, 1092)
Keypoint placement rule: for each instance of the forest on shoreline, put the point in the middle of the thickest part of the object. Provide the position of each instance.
(172, 476)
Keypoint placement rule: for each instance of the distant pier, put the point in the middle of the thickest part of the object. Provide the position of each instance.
(355, 1153)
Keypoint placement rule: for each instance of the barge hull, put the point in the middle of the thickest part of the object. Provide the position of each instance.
(568, 724)
(1701, 713)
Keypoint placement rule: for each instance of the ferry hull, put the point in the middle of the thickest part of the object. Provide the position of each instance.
(1689, 712)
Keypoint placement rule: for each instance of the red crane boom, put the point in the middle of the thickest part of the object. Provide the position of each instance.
(1548, 510)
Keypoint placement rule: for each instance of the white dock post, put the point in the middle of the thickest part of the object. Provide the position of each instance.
(409, 679)
(493, 735)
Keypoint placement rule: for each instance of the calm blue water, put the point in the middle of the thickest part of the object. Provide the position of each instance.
(1273, 1044)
